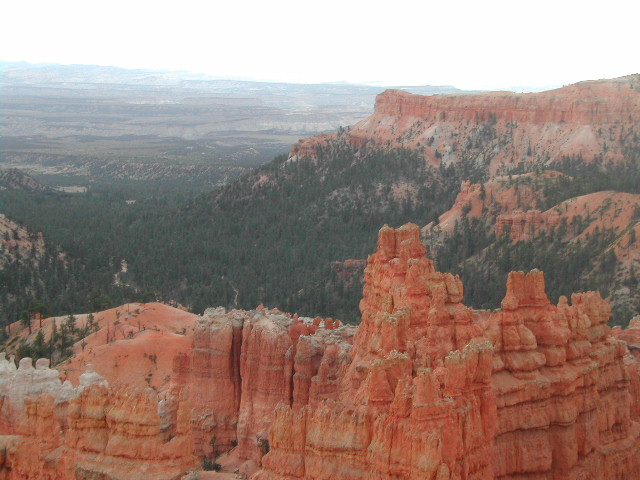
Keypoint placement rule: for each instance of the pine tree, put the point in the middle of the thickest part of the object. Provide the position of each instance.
(39, 346)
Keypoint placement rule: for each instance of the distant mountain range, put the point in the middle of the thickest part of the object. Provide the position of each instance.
(83, 76)
(86, 121)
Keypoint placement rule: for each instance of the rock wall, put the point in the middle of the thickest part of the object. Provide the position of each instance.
(500, 129)
(425, 388)
(562, 386)
(432, 389)
(243, 364)
(585, 102)
(525, 226)
(91, 431)
(212, 377)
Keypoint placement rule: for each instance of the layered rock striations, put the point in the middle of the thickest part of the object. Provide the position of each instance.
(581, 217)
(425, 388)
(58, 431)
(243, 364)
(501, 129)
(432, 389)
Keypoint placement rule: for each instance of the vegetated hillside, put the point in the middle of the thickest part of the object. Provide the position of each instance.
(18, 243)
(270, 237)
(14, 179)
(282, 227)
(273, 235)
(584, 242)
(37, 277)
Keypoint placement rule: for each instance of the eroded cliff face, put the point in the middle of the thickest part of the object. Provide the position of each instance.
(243, 364)
(53, 430)
(581, 216)
(432, 389)
(501, 128)
(562, 387)
(425, 388)
(499, 203)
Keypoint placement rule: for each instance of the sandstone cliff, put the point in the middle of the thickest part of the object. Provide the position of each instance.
(432, 389)
(425, 388)
(52, 430)
(242, 365)
(501, 129)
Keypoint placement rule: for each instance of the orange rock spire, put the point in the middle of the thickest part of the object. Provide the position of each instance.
(424, 388)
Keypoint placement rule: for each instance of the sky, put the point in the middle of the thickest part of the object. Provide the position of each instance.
(478, 44)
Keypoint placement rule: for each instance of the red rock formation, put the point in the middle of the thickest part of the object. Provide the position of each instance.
(134, 343)
(92, 431)
(506, 205)
(521, 226)
(243, 364)
(271, 366)
(630, 335)
(584, 215)
(426, 388)
(585, 102)
(214, 380)
(349, 271)
(502, 128)
(117, 434)
(432, 389)
(501, 202)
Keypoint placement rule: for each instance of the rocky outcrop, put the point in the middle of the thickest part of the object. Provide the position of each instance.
(425, 388)
(523, 226)
(562, 386)
(134, 343)
(58, 431)
(589, 102)
(349, 272)
(117, 434)
(498, 203)
(213, 379)
(501, 129)
(581, 216)
(432, 389)
(630, 335)
(605, 224)
(25, 382)
(242, 365)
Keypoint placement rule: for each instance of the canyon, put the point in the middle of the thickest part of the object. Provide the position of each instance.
(406, 162)
(425, 387)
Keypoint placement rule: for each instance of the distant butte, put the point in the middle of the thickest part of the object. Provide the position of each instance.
(588, 119)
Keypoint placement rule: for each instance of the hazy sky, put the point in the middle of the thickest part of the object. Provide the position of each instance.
(478, 44)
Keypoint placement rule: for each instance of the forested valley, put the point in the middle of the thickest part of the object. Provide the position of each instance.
(273, 235)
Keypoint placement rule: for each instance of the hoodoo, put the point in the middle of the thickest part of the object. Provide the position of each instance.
(432, 389)
(425, 388)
